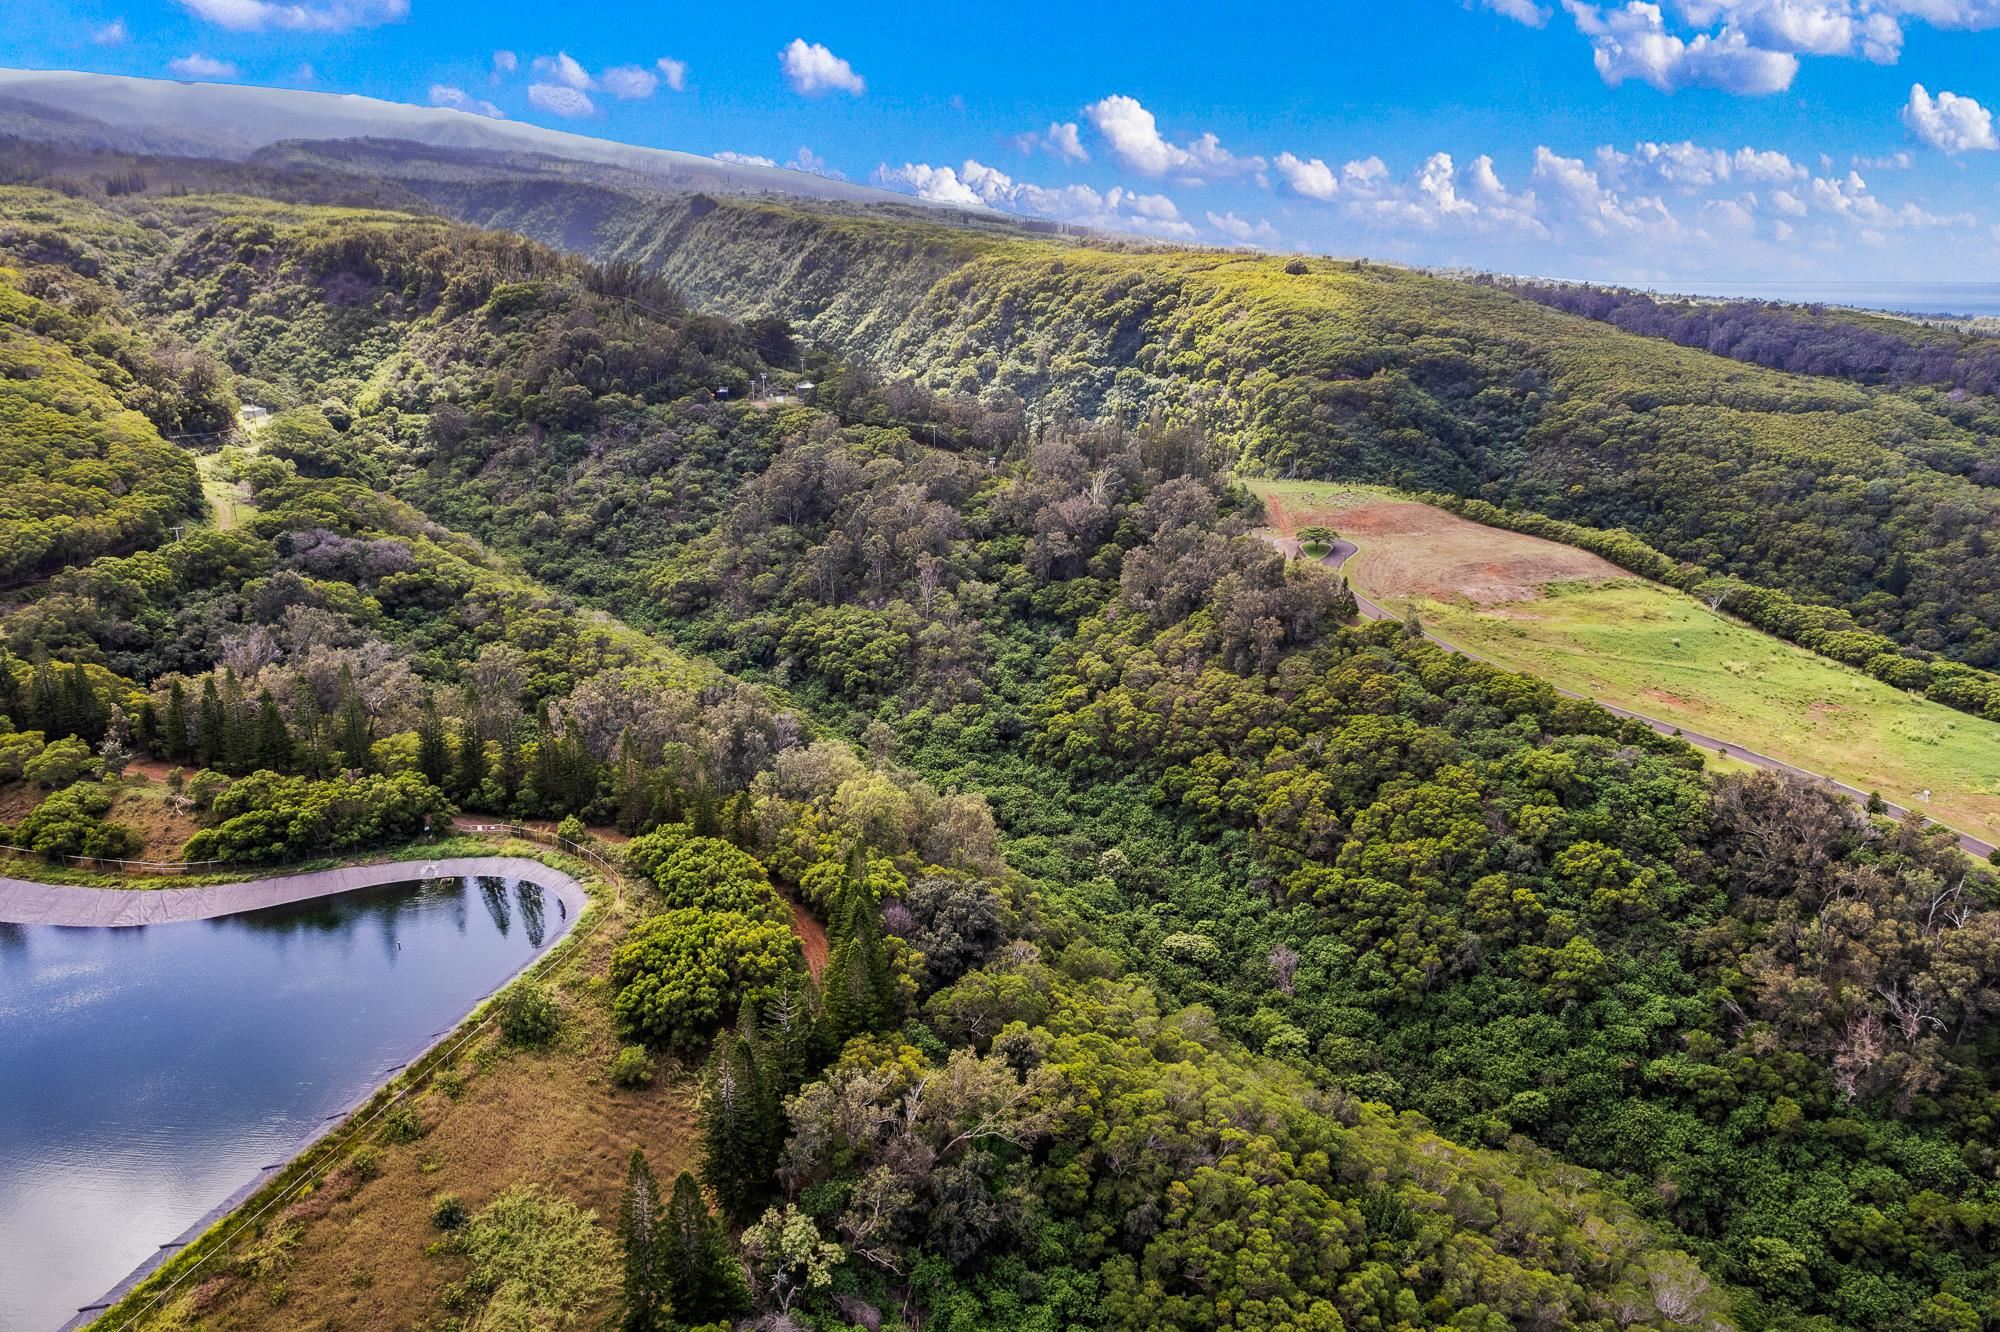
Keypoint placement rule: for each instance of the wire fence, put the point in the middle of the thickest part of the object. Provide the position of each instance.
(596, 859)
(588, 854)
(124, 866)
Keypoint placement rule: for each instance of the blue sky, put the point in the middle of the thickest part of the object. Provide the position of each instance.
(1689, 141)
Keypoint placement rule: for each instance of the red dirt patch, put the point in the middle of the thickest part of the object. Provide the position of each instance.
(1672, 700)
(812, 937)
(1411, 550)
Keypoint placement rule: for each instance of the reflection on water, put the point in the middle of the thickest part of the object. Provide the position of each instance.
(147, 1073)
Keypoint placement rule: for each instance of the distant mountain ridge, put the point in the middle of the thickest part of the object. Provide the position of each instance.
(235, 120)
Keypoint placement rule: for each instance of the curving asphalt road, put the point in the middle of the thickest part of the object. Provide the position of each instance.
(1343, 550)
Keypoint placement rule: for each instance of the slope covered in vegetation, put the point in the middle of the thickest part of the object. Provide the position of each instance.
(1867, 499)
(1410, 878)
(1807, 340)
(984, 1116)
(81, 471)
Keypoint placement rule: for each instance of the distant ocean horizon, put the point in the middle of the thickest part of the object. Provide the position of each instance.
(1958, 299)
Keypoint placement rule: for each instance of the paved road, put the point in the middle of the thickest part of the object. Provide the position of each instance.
(1344, 550)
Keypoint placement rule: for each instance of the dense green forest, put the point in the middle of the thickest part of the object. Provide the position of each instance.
(82, 467)
(1875, 500)
(1199, 959)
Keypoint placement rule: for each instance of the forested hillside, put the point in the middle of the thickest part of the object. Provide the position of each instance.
(1199, 959)
(1875, 500)
(1807, 340)
(82, 468)
(988, 1116)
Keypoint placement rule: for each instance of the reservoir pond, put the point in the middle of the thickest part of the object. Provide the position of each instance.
(150, 1073)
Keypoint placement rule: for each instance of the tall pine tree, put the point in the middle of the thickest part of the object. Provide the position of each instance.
(239, 735)
(699, 1272)
(311, 740)
(147, 730)
(13, 702)
(271, 745)
(469, 781)
(212, 727)
(83, 713)
(643, 1227)
(509, 772)
(353, 735)
(433, 750)
(794, 1037)
(736, 1129)
(174, 742)
(860, 984)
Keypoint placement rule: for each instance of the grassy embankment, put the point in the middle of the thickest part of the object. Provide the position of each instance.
(343, 1238)
(1585, 625)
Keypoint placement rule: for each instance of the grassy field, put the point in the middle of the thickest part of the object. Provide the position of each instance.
(1602, 633)
(228, 501)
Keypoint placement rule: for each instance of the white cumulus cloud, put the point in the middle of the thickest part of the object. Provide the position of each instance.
(198, 66)
(812, 69)
(1632, 41)
(1242, 230)
(630, 82)
(674, 72)
(1690, 166)
(1600, 210)
(1746, 46)
(1521, 11)
(939, 184)
(743, 159)
(113, 33)
(561, 100)
(1437, 197)
(322, 16)
(810, 162)
(458, 99)
(1949, 122)
(1364, 174)
(976, 185)
(1310, 177)
(563, 69)
(1849, 197)
(1135, 139)
(1061, 139)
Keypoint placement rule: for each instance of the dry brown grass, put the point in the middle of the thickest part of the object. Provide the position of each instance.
(141, 802)
(359, 1260)
(146, 807)
(1410, 550)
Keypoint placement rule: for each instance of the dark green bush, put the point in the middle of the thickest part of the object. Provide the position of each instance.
(529, 1014)
(632, 1068)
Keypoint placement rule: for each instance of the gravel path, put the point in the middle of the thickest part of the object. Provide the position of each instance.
(23, 902)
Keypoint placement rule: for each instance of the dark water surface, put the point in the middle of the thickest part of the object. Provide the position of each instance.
(148, 1073)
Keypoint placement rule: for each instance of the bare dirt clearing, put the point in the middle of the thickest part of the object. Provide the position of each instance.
(1410, 550)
